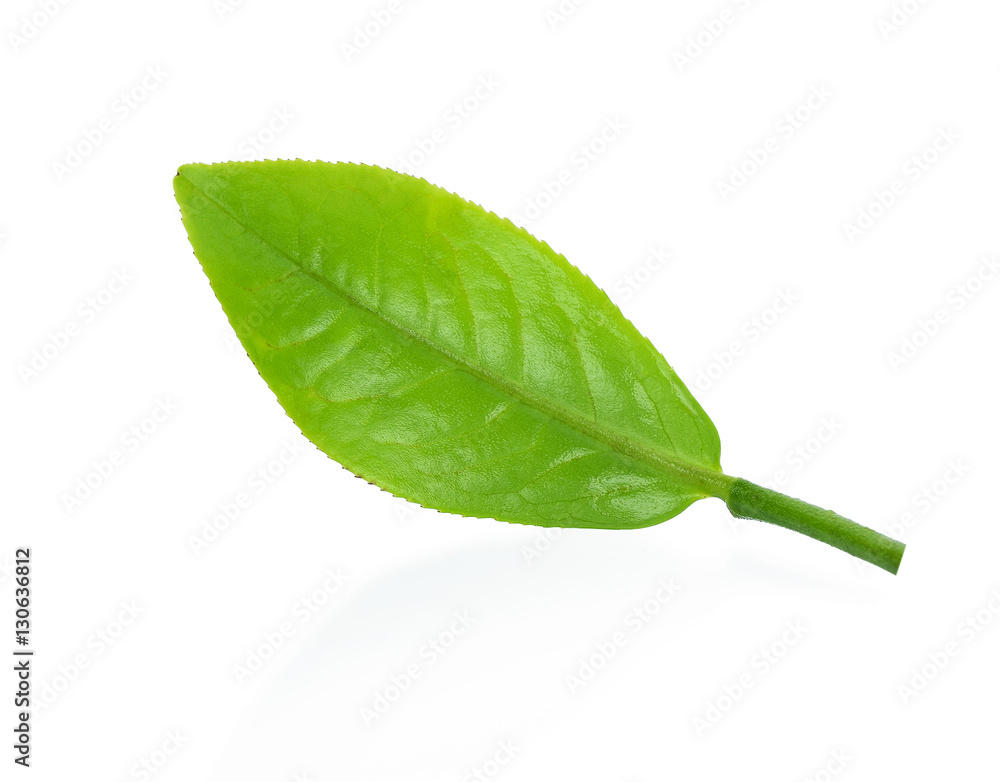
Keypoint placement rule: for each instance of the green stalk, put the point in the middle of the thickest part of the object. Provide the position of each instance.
(747, 500)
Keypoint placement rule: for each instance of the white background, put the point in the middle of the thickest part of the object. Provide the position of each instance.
(810, 391)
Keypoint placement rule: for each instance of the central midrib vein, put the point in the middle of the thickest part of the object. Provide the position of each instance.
(709, 481)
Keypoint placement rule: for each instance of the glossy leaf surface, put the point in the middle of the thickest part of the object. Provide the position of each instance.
(441, 352)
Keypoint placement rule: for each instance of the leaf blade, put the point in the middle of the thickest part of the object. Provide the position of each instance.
(393, 320)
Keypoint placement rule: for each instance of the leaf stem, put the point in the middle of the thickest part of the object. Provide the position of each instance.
(747, 500)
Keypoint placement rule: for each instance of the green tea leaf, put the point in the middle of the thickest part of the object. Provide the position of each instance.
(448, 356)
